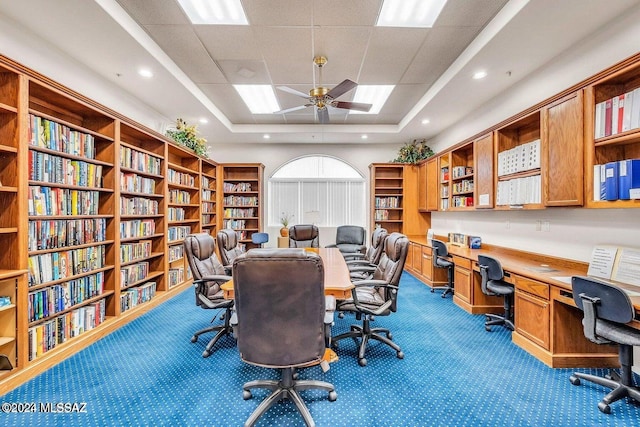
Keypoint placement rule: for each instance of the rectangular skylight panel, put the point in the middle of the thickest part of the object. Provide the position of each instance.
(376, 95)
(259, 98)
(214, 12)
(410, 13)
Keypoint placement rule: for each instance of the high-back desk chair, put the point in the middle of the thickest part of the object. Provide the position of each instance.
(304, 236)
(350, 239)
(607, 309)
(229, 247)
(280, 303)
(492, 284)
(441, 259)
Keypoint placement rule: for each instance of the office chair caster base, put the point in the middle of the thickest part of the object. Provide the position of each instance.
(194, 339)
(433, 290)
(362, 362)
(604, 408)
(400, 355)
(206, 354)
(574, 380)
(246, 394)
(333, 396)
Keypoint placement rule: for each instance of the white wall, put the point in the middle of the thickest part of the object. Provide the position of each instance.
(573, 232)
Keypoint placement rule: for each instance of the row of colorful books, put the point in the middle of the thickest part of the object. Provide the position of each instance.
(387, 202)
(239, 213)
(52, 266)
(133, 273)
(132, 297)
(176, 252)
(56, 233)
(60, 170)
(179, 196)
(62, 201)
(463, 186)
(138, 206)
(178, 232)
(176, 276)
(137, 228)
(181, 178)
(239, 187)
(143, 162)
(134, 183)
(461, 201)
(618, 114)
(240, 201)
(54, 299)
(49, 334)
(55, 136)
(132, 251)
(208, 207)
(176, 214)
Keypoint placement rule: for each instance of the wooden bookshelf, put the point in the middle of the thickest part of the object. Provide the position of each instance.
(241, 207)
(444, 180)
(462, 178)
(387, 196)
(208, 209)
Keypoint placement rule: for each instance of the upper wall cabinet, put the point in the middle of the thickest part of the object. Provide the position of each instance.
(462, 178)
(612, 135)
(484, 168)
(432, 184)
(562, 136)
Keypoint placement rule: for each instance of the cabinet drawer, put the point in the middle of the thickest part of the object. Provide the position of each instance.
(532, 286)
(462, 262)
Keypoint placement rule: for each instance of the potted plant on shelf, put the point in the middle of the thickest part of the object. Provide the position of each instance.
(285, 218)
(187, 136)
(413, 152)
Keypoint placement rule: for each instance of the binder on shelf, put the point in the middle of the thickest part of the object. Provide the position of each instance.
(607, 117)
(611, 181)
(628, 177)
(628, 108)
(635, 110)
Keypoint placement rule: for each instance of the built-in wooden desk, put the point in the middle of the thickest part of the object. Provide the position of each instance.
(548, 323)
(337, 281)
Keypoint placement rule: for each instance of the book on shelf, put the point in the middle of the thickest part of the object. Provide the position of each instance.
(628, 177)
(618, 114)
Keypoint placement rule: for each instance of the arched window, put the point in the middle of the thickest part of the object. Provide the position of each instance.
(317, 189)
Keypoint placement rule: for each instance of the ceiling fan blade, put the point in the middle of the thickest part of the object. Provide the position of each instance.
(292, 91)
(288, 110)
(323, 115)
(342, 88)
(360, 106)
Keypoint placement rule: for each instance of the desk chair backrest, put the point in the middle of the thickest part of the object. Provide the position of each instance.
(351, 238)
(439, 250)
(392, 260)
(374, 251)
(490, 269)
(228, 246)
(259, 238)
(304, 236)
(280, 303)
(200, 250)
(600, 300)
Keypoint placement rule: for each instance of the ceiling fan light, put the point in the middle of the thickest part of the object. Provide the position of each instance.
(260, 99)
(410, 13)
(214, 12)
(376, 95)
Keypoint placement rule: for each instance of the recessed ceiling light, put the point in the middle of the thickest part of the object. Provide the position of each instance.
(479, 74)
(266, 136)
(376, 95)
(425, 121)
(204, 121)
(259, 98)
(364, 137)
(145, 72)
(409, 13)
(214, 12)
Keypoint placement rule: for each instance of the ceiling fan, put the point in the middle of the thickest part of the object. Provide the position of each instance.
(323, 97)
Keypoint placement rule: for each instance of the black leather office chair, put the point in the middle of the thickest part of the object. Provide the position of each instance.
(259, 238)
(229, 247)
(492, 284)
(280, 305)
(304, 236)
(350, 239)
(209, 274)
(441, 259)
(362, 267)
(377, 297)
(607, 309)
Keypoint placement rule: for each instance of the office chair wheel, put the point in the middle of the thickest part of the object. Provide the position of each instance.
(433, 290)
(246, 394)
(194, 339)
(333, 396)
(400, 355)
(341, 315)
(206, 353)
(487, 328)
(389, 335)
(604, 408)
(574, 380)
(362, 362)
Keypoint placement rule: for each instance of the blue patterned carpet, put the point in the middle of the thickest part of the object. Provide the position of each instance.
(453, 374)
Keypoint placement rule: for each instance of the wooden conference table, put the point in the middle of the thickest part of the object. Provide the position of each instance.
(337, 281)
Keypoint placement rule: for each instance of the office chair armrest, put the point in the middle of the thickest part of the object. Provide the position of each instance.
(362, 268)
(331, 246)
(372, 282)
(218, 278)
(357, 262)
(353, 256)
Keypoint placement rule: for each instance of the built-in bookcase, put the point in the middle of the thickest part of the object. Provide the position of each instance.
(387, 196)
(71, 255)
(241, 203)
(209, 182)
(142, 217)
(444, 178)
(183, 212)
(462, 178)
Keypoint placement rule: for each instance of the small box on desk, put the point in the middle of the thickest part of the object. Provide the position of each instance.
(475, 242)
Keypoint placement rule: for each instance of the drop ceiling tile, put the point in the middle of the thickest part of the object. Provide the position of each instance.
(229, 41)
(278, 12)
(245, 71)
(229, 102)
(155, 12)
(468, 13)
(340, 12)
(285, 43)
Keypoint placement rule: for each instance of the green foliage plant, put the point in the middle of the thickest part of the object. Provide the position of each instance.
(413, 152)
(187, 136)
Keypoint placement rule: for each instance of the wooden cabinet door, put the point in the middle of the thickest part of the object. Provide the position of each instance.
(427, 264)
(532, 316)
(432, 184)
(562, 152)
(422, 187)
(462, 283)
(416, 257)
(484, 172)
